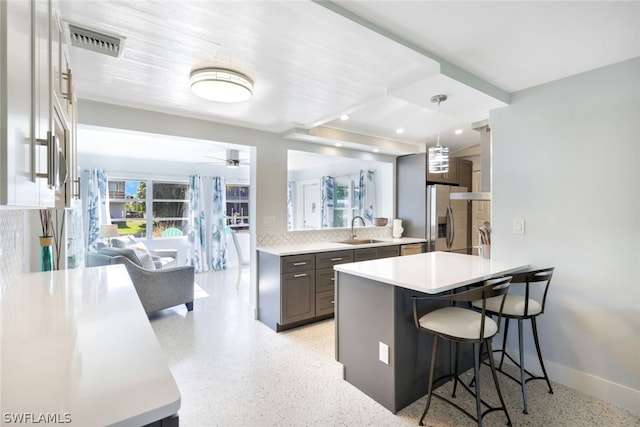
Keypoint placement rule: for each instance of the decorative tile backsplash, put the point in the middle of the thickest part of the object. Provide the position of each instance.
(313, 236)
(11, 244)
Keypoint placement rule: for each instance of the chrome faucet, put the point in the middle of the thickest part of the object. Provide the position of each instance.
(353, 234)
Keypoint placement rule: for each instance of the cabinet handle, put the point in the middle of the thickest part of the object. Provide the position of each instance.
(333, 302)
(49, 143)
(336, 259)
(300, 275)
(333, 278)
(300, 263)
(76, 195)
(69, 78)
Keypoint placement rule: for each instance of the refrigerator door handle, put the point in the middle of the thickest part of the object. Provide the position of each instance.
(450, 227)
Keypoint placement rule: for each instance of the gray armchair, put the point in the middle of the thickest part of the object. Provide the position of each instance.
(157, 289)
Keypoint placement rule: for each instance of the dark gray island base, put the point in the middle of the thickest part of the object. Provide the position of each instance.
(374, 317)
(379, 313)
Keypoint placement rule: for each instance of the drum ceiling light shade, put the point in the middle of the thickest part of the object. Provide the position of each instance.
(220, 85)
(438, 155)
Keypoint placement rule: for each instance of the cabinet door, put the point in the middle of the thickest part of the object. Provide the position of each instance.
(298, 297)
(26, 117)
(451, 177)
(42, 102)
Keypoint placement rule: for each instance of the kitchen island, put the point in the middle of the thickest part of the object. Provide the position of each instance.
(382, 352)
(77, 348)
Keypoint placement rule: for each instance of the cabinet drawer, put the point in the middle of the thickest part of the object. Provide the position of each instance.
(325, 280)
(365, 254)
(324, 303)
(329, 259)
(388, 251)
(296, 263)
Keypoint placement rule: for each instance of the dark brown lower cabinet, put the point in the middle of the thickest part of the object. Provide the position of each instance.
(294, 290)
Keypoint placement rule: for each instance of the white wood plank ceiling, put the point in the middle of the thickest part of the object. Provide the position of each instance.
(380, 62)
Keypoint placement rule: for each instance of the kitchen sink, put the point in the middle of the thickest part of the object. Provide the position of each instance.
(360, 241)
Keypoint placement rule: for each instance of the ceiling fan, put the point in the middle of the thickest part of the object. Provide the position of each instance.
(232, 161)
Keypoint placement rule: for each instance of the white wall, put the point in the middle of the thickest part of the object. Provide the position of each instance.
(566, 157)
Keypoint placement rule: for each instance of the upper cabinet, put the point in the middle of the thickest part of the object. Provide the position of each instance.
(35, 138)
(451, 177)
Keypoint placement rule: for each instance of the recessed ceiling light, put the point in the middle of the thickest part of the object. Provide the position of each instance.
(458, 132)
(338, 144)
(344, 117)
(376, 150)
(220, 85)
(400, 131)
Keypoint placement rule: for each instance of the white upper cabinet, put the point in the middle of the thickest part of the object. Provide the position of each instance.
(36, 127)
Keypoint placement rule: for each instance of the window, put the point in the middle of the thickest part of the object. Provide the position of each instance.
(238, 206)
(345, 206)
(130, 201)
(170, 209)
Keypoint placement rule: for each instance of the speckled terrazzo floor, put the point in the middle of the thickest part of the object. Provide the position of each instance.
(234, 371)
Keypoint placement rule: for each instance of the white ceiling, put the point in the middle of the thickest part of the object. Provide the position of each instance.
(378, 61)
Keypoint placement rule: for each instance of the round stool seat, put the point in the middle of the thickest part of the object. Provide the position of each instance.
(459, 323)
(513, 305)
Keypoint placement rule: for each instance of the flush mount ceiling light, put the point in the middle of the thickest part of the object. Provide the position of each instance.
(438, 155)
(220, 85)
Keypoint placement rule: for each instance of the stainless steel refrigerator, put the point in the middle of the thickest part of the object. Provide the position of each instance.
(426, 210)
(446, 219)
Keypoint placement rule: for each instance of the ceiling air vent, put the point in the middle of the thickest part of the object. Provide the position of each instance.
(96, 41)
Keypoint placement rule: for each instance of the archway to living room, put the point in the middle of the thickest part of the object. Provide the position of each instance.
(150, 194)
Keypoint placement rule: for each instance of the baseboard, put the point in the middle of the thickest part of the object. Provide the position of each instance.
(617, 394)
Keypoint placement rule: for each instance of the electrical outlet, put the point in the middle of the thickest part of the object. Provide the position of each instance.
(383, 353)
(518, 226)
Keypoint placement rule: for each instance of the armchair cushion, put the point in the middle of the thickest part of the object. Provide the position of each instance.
(157, 289)
(125, 252)
(122, 246)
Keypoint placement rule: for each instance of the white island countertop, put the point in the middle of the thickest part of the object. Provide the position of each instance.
(77, 348)
(431, 272)
(312, 247)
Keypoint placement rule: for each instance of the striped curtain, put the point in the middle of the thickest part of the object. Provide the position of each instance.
(197, 225)
(219, 256)
(367, 195)
(95, 202)
(327, 185)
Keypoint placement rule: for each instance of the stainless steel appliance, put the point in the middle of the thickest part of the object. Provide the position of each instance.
(427, 211)
(447, 219)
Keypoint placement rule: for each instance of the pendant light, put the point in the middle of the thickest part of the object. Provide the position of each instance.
(438, 155)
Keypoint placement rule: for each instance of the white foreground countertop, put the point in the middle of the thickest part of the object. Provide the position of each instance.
(431, 272)
(306, 248)
(77, 347)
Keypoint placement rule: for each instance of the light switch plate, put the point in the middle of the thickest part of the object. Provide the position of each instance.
(518, 226)
(383, 353)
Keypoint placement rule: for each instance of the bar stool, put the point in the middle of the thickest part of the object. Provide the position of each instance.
(464, 325)
(521, 307)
